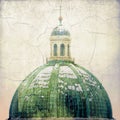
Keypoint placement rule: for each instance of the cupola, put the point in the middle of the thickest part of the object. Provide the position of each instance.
(60, 42)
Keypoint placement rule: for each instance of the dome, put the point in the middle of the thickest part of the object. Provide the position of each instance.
(60, 30)
(61, 89)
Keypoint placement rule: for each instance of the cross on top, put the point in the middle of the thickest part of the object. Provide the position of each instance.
(60, 17)
(60, 11)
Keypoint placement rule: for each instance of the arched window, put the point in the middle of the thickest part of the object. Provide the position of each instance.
(68, 50)
(62, 50)
(55, 50)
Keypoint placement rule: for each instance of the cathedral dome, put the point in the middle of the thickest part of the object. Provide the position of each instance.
(61, 89)
(60, 30)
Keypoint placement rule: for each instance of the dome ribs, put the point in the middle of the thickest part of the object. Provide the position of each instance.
(86, 110)
(61, 89)
(53, 90)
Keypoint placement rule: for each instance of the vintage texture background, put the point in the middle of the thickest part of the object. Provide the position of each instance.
(25, 28)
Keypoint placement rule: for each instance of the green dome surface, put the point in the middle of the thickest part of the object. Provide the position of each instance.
(60, 30)
(60, 89)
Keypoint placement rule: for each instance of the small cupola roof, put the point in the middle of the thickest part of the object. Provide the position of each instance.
(60, 30)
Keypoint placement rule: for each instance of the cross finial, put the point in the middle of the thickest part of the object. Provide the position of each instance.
(60, 17)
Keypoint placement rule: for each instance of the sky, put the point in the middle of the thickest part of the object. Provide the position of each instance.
(25, 28)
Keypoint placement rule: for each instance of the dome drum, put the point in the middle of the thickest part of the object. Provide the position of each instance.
(60, 59)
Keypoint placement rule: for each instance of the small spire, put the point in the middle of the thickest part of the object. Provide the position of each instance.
(60, 17)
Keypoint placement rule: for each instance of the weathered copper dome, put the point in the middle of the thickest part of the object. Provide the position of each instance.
(61, 89)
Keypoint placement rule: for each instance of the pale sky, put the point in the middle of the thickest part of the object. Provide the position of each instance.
(25, 28)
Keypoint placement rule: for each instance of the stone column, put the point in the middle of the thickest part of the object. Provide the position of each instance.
(58, 49)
